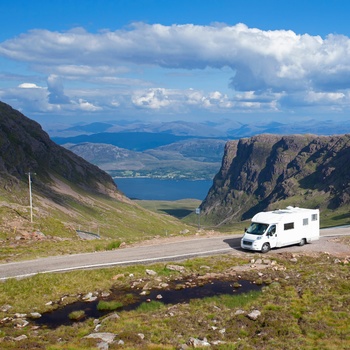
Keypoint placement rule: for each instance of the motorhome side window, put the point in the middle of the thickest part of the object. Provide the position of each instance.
(305, 222)
(314, 217)
(289, 226)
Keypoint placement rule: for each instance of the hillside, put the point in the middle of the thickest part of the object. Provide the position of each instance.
(270, 171)
(68, 192)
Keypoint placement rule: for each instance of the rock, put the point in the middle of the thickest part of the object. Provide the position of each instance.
(151, 272)
(34, 315)
(105, 337)
(21, 323)
(21, 337)
(197, 343)
(89, 297)
(121, 342)
(175, 268)
(293, 260)
(5, 308)
(183, 232)
(103, 345)
(18, 315)
(254, 315)
(240, 312)
(159, 296)
(114, 316)
(141, 336)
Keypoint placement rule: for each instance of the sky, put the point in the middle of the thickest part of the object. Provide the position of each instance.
(159, 60)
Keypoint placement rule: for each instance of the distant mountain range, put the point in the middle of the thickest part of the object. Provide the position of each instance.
(177, 150)
(222, 129)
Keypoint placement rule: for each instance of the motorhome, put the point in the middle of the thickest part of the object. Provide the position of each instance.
(281, 228)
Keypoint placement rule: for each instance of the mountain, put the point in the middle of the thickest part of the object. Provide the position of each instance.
(135, 141)
(190, 159)
(267, 172)
(219, 129)
(68, 192)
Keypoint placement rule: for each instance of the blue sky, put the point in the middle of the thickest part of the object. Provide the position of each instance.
(161, 60)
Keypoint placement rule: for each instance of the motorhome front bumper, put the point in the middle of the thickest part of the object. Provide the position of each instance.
(251, 245)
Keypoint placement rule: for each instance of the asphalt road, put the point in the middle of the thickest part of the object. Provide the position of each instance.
(173, 251)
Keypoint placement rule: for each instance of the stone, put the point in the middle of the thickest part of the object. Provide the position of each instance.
(89, 297)
(175, 268)
(151, 272)
(21, 323)
(159, 296)
(20, 337)
(105, 337)
(254, 315)
(34, 315)
(240, 312)
(198, 343)
(114, 316)
(5, 308)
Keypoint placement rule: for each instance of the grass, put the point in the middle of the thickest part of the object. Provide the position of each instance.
(76, 315)
(304, 300)
(109, 305)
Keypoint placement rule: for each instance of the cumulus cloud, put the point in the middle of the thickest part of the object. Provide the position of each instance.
(269, 69)
(56, 91)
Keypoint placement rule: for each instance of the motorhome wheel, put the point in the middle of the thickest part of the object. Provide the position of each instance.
(302, 242)
(265, 248)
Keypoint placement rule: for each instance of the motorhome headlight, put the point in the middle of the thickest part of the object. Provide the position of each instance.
(259, 237)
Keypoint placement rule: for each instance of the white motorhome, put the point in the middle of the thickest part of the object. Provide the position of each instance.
(282, 227)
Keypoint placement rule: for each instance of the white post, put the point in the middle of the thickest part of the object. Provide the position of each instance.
(30, 197)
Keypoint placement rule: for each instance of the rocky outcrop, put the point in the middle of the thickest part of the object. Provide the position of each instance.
(25, 147)
(269, 171)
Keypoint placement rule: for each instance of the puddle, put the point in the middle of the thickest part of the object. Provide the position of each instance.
(174, 296)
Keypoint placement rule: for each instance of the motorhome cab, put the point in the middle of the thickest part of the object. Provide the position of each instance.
(282, 227)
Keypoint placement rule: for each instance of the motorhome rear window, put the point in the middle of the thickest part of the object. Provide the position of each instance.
(289, 226)
(305, 222)
(314, 217)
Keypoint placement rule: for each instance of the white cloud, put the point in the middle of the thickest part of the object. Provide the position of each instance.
(272, 70)
(87, 106)
(56, 91)
(28, 86)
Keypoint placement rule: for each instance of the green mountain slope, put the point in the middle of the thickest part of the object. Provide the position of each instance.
(68, 192)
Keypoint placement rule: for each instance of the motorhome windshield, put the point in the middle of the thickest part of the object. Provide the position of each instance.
(257, 229)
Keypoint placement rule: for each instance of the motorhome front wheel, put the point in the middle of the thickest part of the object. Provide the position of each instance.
(265, 248)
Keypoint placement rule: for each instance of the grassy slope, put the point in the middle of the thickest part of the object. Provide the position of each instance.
(119, 220)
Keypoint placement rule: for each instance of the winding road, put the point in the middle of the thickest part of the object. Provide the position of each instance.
(164, 251)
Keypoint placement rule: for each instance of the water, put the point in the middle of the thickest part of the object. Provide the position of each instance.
(60, 316)
(169, 190)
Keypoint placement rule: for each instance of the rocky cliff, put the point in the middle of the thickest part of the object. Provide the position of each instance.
(25, 147)
(271, 171)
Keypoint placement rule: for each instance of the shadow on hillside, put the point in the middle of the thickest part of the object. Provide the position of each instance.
(178, 213)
